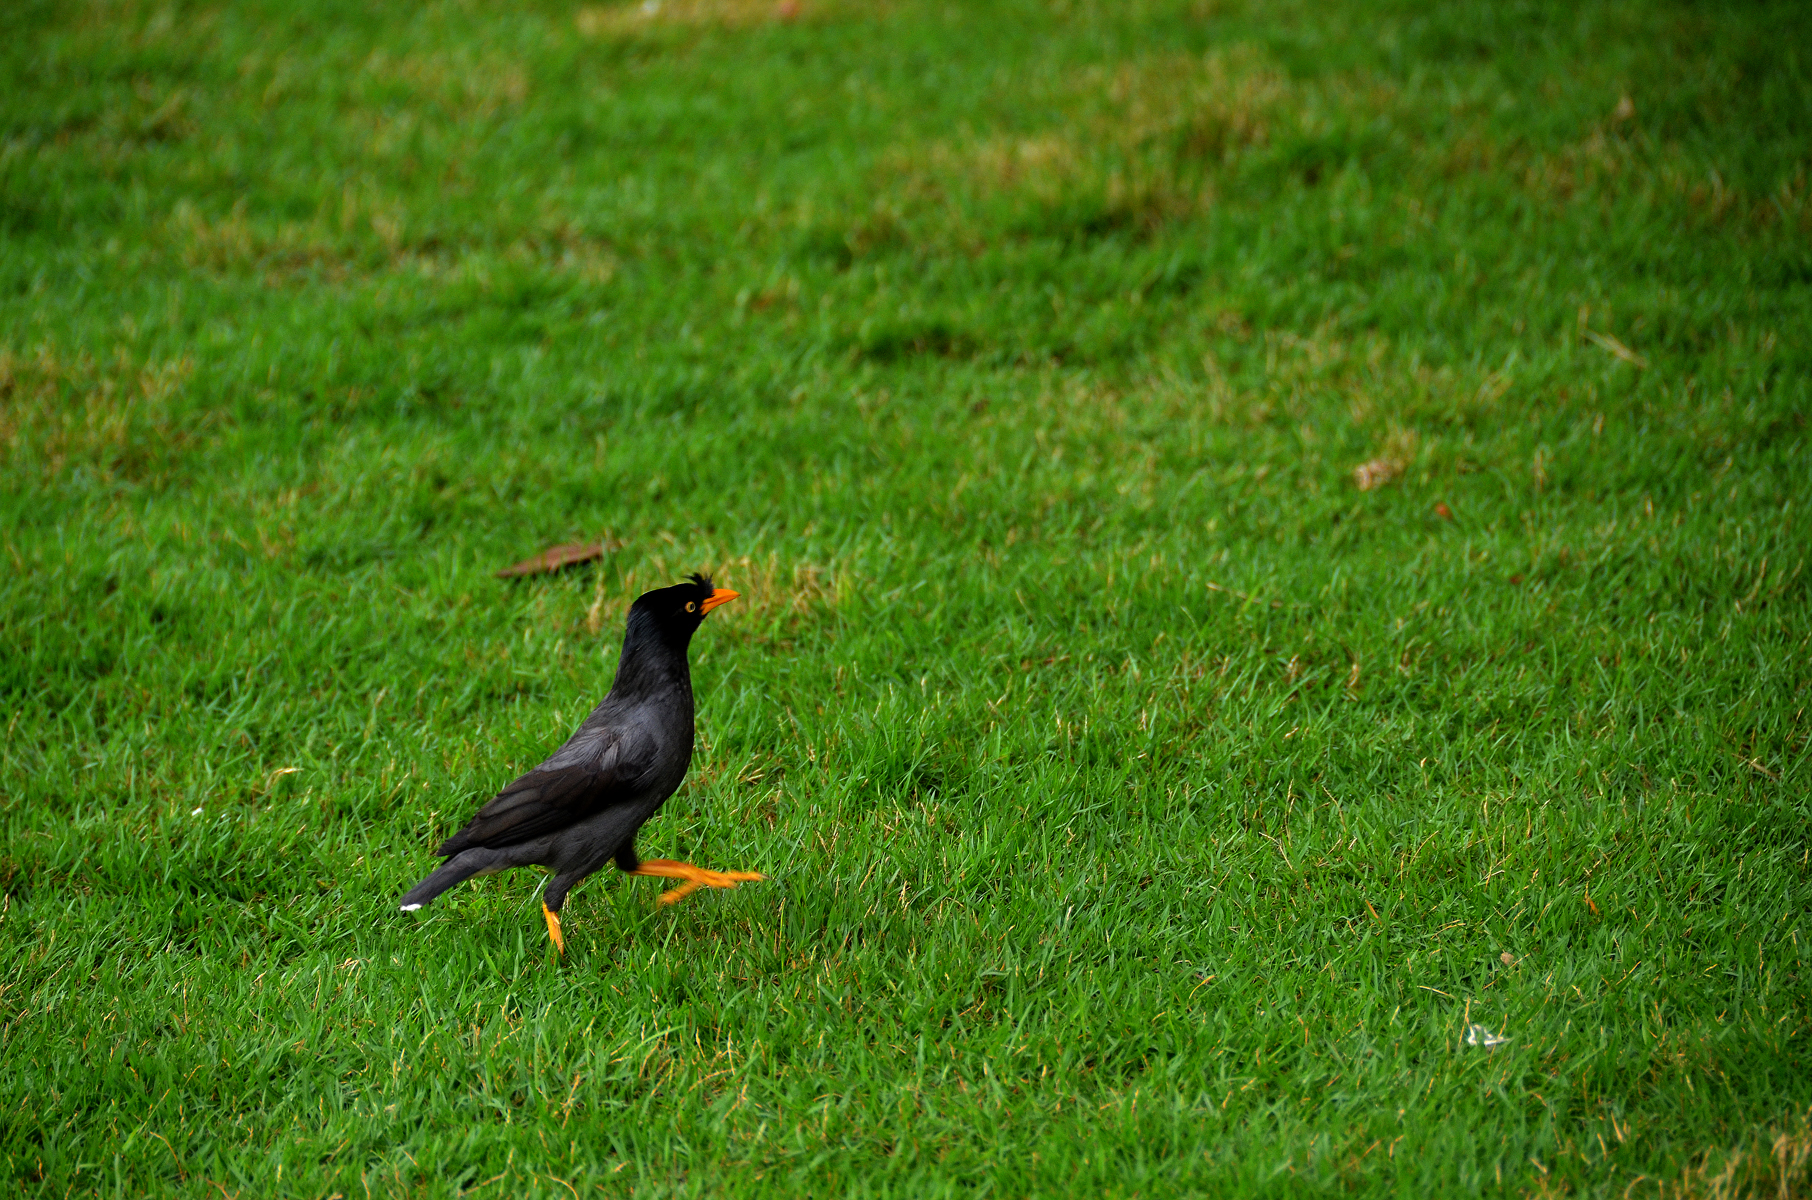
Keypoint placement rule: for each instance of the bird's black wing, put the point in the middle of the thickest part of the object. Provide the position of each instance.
(560, 792)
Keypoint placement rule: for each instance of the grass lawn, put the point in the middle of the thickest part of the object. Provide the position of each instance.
(1271, 535)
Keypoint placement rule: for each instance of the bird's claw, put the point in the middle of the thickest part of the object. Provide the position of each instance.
(553, 929)
(692, 878)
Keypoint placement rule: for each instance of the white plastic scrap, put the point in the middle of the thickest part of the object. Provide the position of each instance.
(1478, 1035)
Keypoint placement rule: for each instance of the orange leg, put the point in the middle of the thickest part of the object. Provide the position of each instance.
(693, 877)
(553, 929)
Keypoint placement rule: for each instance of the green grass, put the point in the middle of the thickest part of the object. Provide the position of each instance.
(1149, 807)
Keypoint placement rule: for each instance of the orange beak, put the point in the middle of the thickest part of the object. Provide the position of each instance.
(720, 596)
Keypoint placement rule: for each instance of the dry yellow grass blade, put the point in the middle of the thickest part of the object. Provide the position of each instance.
(600, 20)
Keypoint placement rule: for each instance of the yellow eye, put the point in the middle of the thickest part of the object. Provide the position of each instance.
(691, 607)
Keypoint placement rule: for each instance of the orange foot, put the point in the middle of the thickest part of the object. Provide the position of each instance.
(553, 929)
(695, 877)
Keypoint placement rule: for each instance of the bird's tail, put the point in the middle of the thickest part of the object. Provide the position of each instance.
(455, 870)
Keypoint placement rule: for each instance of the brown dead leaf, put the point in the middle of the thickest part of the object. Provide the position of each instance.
(1376, 473)
(1442, 511)
(554, 558)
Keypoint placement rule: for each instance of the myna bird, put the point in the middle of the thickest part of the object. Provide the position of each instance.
(582, 807)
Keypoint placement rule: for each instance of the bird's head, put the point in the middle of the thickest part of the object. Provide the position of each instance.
(676, 611)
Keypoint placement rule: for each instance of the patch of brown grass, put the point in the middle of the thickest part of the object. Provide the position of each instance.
(1206, 107)
(366, 233)
(1043, 165)
(1140, 139)
(1774, 1163)
(141, 25)
(1615, 158)
(61, 412)
(1308, 377)
(463, 82)
(1148, 139)
(606, 20)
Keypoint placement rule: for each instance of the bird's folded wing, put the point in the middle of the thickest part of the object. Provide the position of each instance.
(551, 798)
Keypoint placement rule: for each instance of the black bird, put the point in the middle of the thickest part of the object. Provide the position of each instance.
(582, 807)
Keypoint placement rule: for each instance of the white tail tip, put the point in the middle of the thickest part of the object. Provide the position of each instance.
(410, 907)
